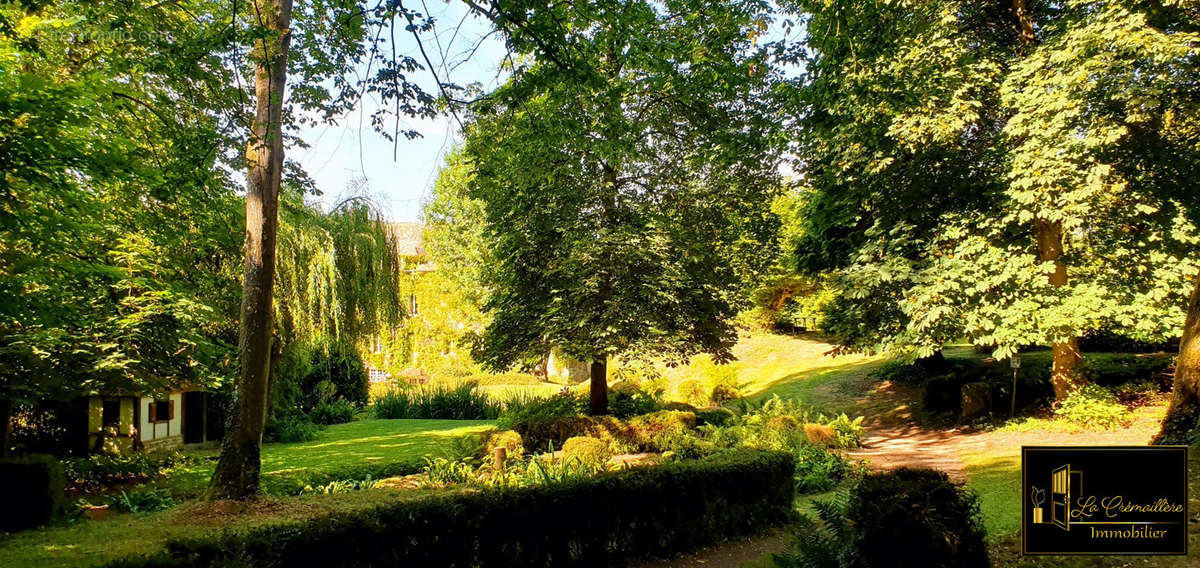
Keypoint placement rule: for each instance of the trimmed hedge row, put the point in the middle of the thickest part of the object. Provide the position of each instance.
(603, 521)
(33, 491)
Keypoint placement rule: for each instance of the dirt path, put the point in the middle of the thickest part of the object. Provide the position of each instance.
(895, 440)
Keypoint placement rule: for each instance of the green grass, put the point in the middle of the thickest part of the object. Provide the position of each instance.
(88, 543)
(338, 448)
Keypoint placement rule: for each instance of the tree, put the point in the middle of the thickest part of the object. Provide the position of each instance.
(624, 170)
(333, 38)
(97, 151)
(959, 205)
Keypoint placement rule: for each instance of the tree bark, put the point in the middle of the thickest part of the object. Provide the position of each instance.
(1183, 415)
(237, 471)
(1064, 373)
(598, 404)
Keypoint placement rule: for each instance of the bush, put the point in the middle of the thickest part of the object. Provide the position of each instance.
(715, 416)
(818, 469)
(693, 392)
(343, 369)
(523, 409)
(1094, 406)
(659, 431)
(589, 451)
(624, 404)
(607, 520)
(820, 435)
(464, 402)
(906, 518)
(508, 439)
(142, 501)
(337, 412)
(33, 488)
(290, 429)
(94, 472)
(848, 432)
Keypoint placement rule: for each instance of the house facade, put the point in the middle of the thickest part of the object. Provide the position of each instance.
(122, 423)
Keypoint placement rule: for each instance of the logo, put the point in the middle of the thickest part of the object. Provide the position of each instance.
(1104, 500)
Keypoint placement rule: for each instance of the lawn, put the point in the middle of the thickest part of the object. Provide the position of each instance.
(340, 451)
(340, 448)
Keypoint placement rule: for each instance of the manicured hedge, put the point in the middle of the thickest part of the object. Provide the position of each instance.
(33, 491)
(603, 521)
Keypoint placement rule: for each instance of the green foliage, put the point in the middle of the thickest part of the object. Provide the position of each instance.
(622, 197)
(33, 491)
(646, 512)
(904, 518)
(530, 409)
(442, 470)
(1095, 407)
(96, 471)
(339, 411)
(465, 402)
(849, 432)
(142, 501)
(507, 439)
(290, 429)
(341, 486)
(819, 470)
(588, 451)
(927, 200)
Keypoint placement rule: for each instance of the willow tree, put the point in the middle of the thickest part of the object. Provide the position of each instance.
(622, 169)
(1012, 191)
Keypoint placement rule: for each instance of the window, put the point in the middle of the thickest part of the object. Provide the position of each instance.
(160, 411)
(110, 413)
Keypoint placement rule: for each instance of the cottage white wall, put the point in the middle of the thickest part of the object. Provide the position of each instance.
(151, 431)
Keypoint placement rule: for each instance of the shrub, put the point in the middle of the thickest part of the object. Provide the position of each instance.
(904, 519)
(101, 470)
(524, 409)
(508, 439)
(340, 367)
(290, 429)
(442, 470)
(608, 520)
(1112, 369)
(820, 435)
(818, 469)
(464, 402)
(294, 482)
(588, 451)
(33, 488)
(848, 432)
(337, 412)
(142, 501)
(1094, 406)
(341, 486)
(660, 431)
(715, 416)
(624, 404)
(692, 392)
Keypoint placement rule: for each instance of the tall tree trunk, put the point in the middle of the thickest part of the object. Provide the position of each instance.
(598, 404)
(237, 472)
(1183, 415)
(1064, 373)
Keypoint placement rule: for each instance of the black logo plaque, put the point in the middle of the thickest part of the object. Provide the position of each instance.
(1104, 500)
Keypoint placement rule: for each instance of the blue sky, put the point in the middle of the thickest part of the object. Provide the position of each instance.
(351, 149)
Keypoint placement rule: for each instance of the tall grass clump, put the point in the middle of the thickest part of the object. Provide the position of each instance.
(463, 402)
